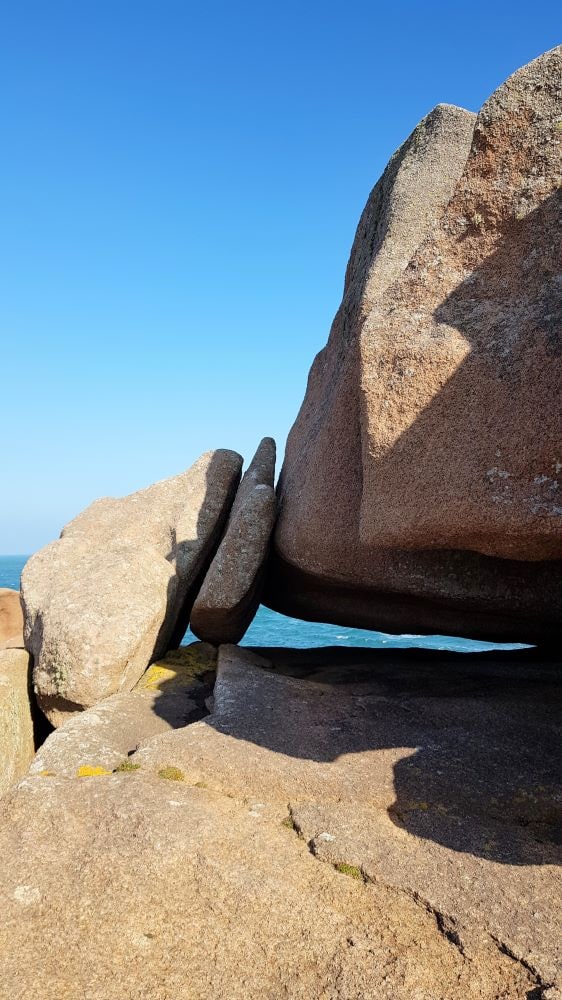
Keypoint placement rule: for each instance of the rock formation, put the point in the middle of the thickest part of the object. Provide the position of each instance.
(421, 488)
(11, 619)
(353, 833)
(115, 591)
(99, 740)
(231, 591)
(16, 721)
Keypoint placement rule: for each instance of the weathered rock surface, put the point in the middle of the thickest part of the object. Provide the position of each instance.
(115, 591)
(231, 591)
(435, 774)
(170, 694)
(416, 873)
(420, 488)
(11, 619)
(16, 722)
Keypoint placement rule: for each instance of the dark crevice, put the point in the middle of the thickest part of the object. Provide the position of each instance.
(538, 992)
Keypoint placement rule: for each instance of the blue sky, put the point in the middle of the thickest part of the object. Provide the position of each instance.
(179, 188)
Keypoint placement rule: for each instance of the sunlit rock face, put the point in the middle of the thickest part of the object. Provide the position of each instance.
(420, 488)
(116, 590)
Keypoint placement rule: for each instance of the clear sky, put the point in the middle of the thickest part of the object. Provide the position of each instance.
(179, 189)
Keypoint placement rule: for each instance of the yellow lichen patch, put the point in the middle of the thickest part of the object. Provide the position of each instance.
(179, 666)
(126, 766)
(171, 773)
(47, 774)
(89, 771)
(352, 870)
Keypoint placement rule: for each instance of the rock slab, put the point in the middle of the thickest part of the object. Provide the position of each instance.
(231, 591)
(115, 591)
(11, 619)
(100, 740)
(252, 854)
(416, 493)
(16, 722)
(387, 766)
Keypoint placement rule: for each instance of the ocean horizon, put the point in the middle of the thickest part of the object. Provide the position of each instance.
(272, 629)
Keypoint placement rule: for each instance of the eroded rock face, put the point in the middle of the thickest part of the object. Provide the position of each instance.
(421, 478)
(115, 591)
(411, 878)
(11, 619)
(16, 722)
(231, 591)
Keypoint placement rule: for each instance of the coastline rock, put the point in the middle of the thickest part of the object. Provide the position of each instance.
(385, 761)
(99, 740)
(115, 591)
(231, 591)
(11, 619)
(16, 722)
(416, 493)
(197, 853)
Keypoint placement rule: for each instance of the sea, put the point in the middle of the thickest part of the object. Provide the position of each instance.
(271, 629)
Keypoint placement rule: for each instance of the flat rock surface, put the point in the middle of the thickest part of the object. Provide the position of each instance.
(230, 594)
(342, 825)
(436, 773)
(16, 722)
(115, 591)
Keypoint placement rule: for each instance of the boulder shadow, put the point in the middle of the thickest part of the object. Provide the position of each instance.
(481, 768)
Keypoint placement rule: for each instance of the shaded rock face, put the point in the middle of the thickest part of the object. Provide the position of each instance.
(16, 722)
(421, 478)
(267, 836)
(11, 619)
(115, 591)
(231, 591)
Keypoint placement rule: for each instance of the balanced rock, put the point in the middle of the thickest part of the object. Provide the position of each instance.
(169, 694)
(231, 591)
(16, 722)
(421, 484)
(115, 591)
(11, 619)
(353, 835)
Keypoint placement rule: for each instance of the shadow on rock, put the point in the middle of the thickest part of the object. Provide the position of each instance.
(460, 749)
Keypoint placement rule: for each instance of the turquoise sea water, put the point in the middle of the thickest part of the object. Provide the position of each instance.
(271, 629)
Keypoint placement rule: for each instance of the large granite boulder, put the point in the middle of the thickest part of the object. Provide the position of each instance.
(231, 591)
(420, 488)
(349, 832)
(16, 720)
(11, 619)
(115, 591)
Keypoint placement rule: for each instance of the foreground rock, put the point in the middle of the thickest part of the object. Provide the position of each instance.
(16, 722)
(116, 590)
(386, 762)
(416, 493)
(170, 694)
(231, 591)
(11, 619)
(416, 874)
